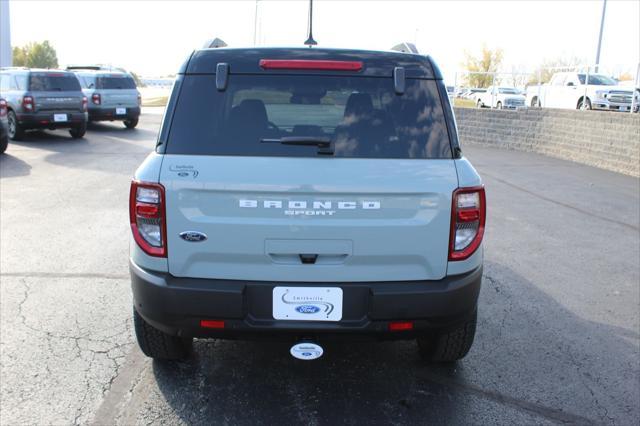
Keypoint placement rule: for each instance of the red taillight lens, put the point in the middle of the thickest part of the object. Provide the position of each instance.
(84, 103)
(212, 324)
(400, 325)
(147, 217)
(27, 103)
(302, 64)
(468, 217)
(96, 99)
(3, 108)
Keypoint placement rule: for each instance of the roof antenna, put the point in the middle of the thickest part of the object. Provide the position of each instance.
(310, 41)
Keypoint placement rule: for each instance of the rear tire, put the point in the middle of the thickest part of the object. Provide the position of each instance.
(16, 132)
(78, 131)
(131, 124)
(3, 144)
(448, 345)
(479, 104)
(499, 105)
(158, 345)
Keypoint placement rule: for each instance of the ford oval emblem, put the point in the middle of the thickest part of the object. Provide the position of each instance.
(193, 236)
(307, 309)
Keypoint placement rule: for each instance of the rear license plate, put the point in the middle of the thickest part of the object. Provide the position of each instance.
(121, 111)
(59, 117)
(307, 303)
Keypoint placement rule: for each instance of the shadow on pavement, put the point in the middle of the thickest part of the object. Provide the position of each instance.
(533, 362)
(11, 166)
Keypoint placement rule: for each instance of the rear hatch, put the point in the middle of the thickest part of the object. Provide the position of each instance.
(55, 92)
(372, 202)
(117, 90)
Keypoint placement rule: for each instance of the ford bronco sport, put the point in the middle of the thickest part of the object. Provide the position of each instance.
(43, 99)
(304, 194)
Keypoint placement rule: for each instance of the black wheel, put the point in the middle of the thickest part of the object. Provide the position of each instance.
(78, 131)
(499, 105)
(535, 103)
(584, 105)
(131, 124)
(158, 345)
(479, 104)
(16, 132)
(448, 345)
(4, 142)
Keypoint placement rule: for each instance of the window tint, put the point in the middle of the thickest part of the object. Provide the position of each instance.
(21, 81)
(88, 81)
(116, 82)
(362, 116)
(598, 80)
(53, 82)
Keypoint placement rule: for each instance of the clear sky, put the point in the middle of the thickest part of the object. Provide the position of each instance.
(152, 38)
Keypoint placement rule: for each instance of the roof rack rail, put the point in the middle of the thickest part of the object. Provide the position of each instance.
(214, 43)
(405, 47)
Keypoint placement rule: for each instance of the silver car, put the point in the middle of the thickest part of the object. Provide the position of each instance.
(111, 95)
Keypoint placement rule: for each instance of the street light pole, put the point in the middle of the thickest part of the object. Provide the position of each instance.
(604, 9)
(255, 24)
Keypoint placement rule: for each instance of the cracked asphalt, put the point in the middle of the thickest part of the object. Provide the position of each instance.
(558, 335)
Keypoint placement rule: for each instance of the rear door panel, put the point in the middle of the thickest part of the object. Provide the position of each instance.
(365, 219)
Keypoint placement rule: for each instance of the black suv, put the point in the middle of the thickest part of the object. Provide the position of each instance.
(43, 99)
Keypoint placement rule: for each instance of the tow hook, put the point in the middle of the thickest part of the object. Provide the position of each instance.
(306, 351)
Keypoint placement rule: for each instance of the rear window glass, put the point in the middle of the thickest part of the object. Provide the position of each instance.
(53, 82)
(361, 116)
(117, 82)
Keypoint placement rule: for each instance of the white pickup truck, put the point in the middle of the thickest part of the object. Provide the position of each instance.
(500, 98)
(568, 90)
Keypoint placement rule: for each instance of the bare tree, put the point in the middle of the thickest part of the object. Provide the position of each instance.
(487, 62)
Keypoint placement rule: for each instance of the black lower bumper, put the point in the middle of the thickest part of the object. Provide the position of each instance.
(177, 305)
(110, 114)
(46, 120)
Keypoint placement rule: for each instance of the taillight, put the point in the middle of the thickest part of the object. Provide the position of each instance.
(468, 216)
(3, 108)
(27, 103)
(147, 217)
(96, 99)
(84, 103)
(312, 64)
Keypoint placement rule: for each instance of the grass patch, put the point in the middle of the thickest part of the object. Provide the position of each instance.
(464, 103)
(155, 102)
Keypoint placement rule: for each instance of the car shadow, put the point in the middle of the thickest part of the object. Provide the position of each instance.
(11, 166)
(534, 361)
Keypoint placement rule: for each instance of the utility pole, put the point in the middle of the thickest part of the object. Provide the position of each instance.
(255, 24)
(604, 9)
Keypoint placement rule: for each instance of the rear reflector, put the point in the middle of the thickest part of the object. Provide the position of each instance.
(301, 64)
(211, 324)
(401, 325)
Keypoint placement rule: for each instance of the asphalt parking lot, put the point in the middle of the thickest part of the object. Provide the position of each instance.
(559, 323)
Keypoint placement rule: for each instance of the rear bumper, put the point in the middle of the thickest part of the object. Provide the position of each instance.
(45, 120)
(110, 114)
(176, 306)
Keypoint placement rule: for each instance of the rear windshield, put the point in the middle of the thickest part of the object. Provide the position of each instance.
(362, 116)
(90, 81)
(53, 82)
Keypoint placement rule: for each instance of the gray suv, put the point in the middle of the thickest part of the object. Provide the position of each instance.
(305, 194)
(43, 99)
(112, 96)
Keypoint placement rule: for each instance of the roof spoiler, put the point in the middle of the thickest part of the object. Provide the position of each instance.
(214, 43)
(405, 47)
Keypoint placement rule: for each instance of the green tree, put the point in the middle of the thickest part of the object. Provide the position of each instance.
(35, 55)
(488, 61)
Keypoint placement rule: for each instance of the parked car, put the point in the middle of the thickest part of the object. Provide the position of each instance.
(501, 98)
(568, 89)
(303, 194)
(4, 126)
(112, 96)
(473, 93)
(43, 99)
